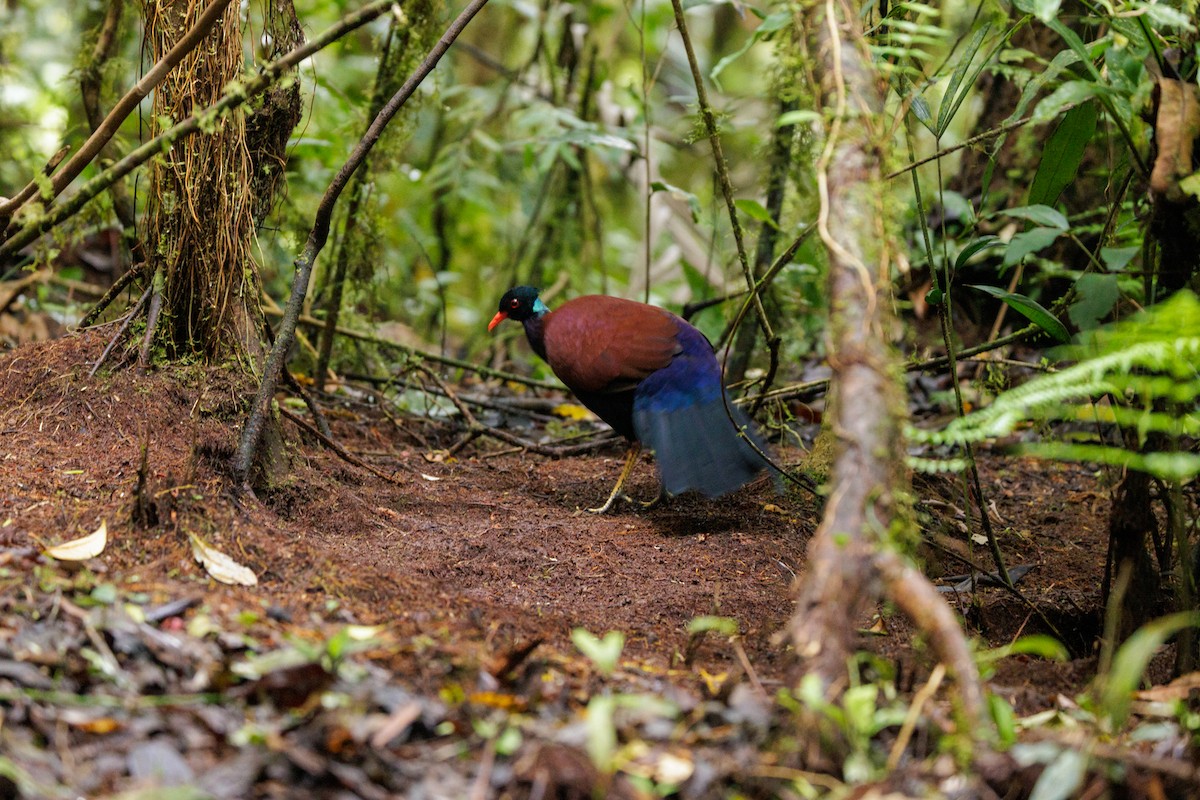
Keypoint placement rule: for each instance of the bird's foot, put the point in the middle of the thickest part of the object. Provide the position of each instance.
(649, 504)
(615, 496)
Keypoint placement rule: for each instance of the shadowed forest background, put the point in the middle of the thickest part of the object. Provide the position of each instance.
(280, 518)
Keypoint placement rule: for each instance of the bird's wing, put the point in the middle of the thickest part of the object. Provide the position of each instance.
(599, 343)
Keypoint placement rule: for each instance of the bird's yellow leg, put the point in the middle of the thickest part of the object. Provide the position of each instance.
(630, 461)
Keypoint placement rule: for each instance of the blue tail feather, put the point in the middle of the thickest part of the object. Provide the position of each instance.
(679, 412)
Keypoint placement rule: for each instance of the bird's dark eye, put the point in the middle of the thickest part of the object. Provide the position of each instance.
(514, 303)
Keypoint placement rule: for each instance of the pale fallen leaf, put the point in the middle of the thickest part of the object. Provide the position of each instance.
(673, 769)
(430, 477)
(220, 566)
(82, 549)
(979, 538)
(1178, 689)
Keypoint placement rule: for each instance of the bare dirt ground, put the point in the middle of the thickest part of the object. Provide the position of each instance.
(136, 670)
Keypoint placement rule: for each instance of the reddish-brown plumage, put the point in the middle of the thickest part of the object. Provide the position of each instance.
(598, 343)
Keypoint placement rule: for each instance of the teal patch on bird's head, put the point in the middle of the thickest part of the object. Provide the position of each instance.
(519, 304)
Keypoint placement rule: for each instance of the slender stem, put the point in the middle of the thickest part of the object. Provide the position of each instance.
(252, 432)
(722, 167)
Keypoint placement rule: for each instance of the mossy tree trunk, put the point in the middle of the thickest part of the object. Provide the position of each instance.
(199, 219)
(210, 192)
(854, 556)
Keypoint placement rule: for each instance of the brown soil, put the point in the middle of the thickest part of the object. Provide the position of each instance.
(469, 561)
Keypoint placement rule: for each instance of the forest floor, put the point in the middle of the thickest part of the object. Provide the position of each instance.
(412, 636)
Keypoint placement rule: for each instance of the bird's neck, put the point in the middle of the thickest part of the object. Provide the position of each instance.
(535, 332)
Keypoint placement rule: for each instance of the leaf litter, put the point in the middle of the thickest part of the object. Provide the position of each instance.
(443, 639)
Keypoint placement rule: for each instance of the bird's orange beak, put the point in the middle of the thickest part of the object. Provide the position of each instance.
(496, 320)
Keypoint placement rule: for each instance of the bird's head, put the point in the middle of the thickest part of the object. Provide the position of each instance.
(519, 304)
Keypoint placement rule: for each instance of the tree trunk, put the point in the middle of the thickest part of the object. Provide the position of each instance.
(853, 556)
(209, 194)
(199, 218)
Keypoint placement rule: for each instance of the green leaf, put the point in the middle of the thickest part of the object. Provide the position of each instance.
(1005, 719)
(801, 116)
(601, 730)
(772, 23)
(1191, 185)
(755, 210)
(1117, 258)
(1028, 242)
(1042, 215)
(726, 626)
(1071, 93)
(953, 97)
(1032, 310)
(604, 653)
(1077, 46)
(1097, 294)
(920, 110)
(1131, 660)
(1062, 155)
(980, 244)
(1166, 17)
(1038, 644)
(692, 201)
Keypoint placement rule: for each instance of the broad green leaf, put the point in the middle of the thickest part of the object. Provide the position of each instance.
(1129, 664)
(1032, 310)
(604, 653)
(772, 23)
(1045, 10)
(1191, 185)
(726, 626)
(1038, 644)
(1037, 86)
(692, 201)
(1117, 258)
(1071, 93)
(980, 244)
(1097, 294)
(801, 116)
(601, 728)
(1028, 242)
(1164, 16)
(1042, 215)
(1062, 155)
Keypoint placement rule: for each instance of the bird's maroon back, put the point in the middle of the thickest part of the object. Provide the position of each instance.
(598, 343)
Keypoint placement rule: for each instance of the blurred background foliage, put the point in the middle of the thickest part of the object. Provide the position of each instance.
(559, 144)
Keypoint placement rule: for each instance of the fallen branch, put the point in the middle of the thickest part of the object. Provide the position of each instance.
(423, 355)
(337, 449)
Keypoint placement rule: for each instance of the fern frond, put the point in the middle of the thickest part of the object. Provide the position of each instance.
(1143, 365)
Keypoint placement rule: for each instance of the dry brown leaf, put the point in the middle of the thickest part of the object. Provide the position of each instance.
(81, 549)
(1176, 126)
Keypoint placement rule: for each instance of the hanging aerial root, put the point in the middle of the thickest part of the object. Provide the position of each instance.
(928, 610)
